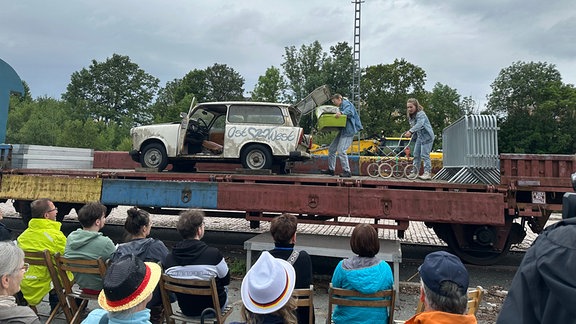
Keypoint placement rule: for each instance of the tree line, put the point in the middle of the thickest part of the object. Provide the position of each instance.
(536, 111)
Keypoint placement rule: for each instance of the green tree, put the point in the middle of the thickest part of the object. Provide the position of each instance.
(171, 101)
(338, 69)
(115, 90)
(271, 87)
(534, 109)
(224, 83)
(194, 82)
(468, 106)
(521, 87)
(385, 89)
(36, 121)
(443, 108)
(303, 69)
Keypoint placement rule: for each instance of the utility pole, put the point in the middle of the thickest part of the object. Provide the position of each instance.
(356, 61)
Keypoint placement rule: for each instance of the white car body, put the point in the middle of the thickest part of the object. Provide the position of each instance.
(257, 134)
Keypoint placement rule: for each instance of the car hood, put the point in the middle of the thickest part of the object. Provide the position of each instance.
(163, 125)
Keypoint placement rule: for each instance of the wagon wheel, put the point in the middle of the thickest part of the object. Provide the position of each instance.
(479, 240)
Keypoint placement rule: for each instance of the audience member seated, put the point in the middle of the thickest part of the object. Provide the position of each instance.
(88, 243)
(5, 232)
(12, 269)
(127, 288)
(43, 233)
(267, 292)
(138, 226)
(193, 259)
(443, 290)
(283, 230)
(544, 287)
(364, 273)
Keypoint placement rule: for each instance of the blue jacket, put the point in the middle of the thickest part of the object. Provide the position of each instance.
(420, 125)
(353, 123)
(366, 275)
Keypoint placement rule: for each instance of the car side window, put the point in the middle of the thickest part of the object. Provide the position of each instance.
(255, 114)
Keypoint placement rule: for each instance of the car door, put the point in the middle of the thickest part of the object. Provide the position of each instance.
(184, 127)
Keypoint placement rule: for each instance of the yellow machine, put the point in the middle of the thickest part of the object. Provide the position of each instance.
(385, 147)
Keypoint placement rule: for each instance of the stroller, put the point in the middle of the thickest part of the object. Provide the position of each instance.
(394, 158)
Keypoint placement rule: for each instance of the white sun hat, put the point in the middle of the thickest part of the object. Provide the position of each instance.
(268, 285)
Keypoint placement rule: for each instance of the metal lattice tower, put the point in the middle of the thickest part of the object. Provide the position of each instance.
(356, 55)
(356, 61)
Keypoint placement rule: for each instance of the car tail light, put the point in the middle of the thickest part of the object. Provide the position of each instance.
(301, 139)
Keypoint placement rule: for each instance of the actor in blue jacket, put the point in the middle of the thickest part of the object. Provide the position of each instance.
(344, 138)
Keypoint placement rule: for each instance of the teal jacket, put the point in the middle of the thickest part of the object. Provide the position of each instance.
(82, 244)
(41, 234)
(100, 316)
(366, 275)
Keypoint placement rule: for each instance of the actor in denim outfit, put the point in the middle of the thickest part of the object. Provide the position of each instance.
(344, 138)
(421, 131)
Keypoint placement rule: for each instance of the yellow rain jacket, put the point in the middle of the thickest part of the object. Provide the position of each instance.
(41, 234)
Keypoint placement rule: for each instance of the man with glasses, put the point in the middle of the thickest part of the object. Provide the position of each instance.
(43, 233)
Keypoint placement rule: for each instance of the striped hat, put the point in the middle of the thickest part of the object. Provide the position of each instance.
(127, 283)
(268, 285)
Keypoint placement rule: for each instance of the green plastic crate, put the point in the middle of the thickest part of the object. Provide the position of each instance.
(328, 122)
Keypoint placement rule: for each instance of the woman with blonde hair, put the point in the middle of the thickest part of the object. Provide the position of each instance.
(421, 131)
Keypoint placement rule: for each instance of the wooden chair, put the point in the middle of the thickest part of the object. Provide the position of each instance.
(91, 267)
(45, 259)
(346, 297)
(305, 298)
(474, 299)
(191, 287)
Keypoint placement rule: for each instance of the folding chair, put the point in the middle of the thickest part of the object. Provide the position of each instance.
(346, 297)
(45, 259)
(92, 267)
(474, 299)
(191, 287)
(305, 298)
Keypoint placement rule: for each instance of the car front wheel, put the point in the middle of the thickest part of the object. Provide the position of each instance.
(256, 157)
(154, 156)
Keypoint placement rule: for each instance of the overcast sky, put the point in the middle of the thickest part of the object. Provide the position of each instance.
(461, 43)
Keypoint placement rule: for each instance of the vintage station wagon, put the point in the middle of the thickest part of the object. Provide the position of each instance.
(259, 135)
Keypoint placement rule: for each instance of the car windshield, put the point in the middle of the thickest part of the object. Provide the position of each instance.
(206, 115)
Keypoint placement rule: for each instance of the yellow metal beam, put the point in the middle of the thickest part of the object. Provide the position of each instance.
(63, 189)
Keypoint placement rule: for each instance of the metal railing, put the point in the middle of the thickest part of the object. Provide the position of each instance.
(470, 151)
